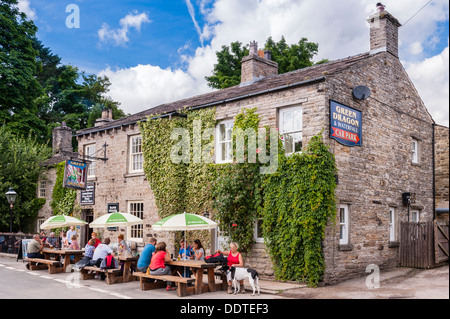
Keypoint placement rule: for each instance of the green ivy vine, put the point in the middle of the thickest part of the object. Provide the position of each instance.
(295, 202)
(63, 199)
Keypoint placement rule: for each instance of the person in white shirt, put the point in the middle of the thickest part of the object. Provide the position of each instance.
(70, 233)
(101, 252)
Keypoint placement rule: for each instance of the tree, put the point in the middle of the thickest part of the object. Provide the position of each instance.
(227, 71)
(20, 169)
(18, 68)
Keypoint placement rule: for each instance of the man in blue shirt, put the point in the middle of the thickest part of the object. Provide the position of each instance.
(146, 255)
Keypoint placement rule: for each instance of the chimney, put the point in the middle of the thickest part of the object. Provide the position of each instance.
(257, 65)
(62, 139)
(105, 119)
(383, 31)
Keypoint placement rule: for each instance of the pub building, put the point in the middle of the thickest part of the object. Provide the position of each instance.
(372, 117)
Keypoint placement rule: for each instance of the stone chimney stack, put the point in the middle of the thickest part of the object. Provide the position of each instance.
(383, 31)
(257, 65)
(62, 139)
(107, 117)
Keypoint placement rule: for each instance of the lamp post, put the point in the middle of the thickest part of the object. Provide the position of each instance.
(11, 197)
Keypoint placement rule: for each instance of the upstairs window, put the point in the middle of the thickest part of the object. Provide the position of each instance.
(89, 151)
(224, 142)
(42, 189)
(291, 127)
(136, 155)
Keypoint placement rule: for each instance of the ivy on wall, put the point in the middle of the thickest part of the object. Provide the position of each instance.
(63, 199)
(295, 202)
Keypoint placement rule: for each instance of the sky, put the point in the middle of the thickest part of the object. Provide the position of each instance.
(158, 51)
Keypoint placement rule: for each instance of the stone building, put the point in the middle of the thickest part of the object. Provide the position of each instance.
(442, 173)
(392, 153)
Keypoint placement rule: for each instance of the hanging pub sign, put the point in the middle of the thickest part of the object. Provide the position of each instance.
(345, 124)
(75, 173)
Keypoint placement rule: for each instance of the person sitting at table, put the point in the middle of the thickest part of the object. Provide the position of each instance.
(88, 254)
(101, 252)
(146, 255)
(198, 253)
(157, 265)
(52, 241)
(234, 260)
(34, 249)
(64, 242)
(123, 246)
(97, 241)
(43, 237)
(185, 254)
(70, 233)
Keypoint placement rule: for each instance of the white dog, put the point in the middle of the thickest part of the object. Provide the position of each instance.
(238, 274)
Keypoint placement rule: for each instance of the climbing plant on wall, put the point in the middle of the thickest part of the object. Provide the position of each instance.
(298, 202)
(63, 199)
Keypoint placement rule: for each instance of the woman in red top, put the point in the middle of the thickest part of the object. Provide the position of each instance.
(157, 265)
(97, 241)
(234, 260)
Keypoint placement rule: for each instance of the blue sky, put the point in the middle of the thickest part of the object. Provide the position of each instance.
(158, 51)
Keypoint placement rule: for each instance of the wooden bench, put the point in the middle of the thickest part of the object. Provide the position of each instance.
(160, 282)
(113, 276)
(52, 265)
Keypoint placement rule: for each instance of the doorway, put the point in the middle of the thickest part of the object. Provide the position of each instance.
(86, 231)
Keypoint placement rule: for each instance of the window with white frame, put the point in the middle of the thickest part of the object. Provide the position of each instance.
(39, 222)
(137, 209)
(136, 155)
(224, 142)
(392, 233)
(415, 216)
(343, 225)
(415, 151)
(42, 189)
(291, 127)
(258, 231)
(89, 151)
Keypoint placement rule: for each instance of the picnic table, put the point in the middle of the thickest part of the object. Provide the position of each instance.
(127, 261)
(198, 267)
(63, 254)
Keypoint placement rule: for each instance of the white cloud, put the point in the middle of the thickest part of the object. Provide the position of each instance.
(119, 36)
(340, 28)
(24, 6)
(431, 80)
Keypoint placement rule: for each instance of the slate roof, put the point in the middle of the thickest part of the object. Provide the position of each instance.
(277, 82)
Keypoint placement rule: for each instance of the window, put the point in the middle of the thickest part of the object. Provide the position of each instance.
(343, 225)
(415, 216)
(41, 189)
(89, 151)
(39, 221)
(415, 151)
(224, 142)
(291, 125)
(136, 155)
(258, 231)
(136, 209)
(392, 235)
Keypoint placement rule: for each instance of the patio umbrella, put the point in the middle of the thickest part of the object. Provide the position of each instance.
(184, 222)
(116, 220)
(59, 221)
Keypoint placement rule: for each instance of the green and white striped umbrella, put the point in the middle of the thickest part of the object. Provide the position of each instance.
(116, 220)
(59, 221)
(184, 222)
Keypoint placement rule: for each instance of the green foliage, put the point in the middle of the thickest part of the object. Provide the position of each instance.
(20, 169)
(63, 199)
(298, 202)
(227, 71)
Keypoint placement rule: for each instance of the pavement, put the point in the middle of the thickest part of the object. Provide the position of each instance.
(398, 283)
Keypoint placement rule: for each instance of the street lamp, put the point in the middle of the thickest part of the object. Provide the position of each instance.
(11, 197)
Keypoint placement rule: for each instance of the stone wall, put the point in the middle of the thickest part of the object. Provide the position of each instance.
(373, 177)
(442, 169)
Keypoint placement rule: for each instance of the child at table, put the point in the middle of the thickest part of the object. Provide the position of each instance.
(74, 245)
(88, 254)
